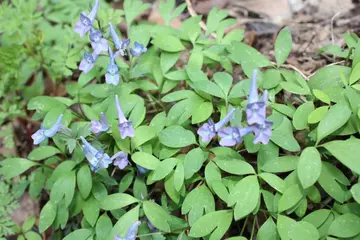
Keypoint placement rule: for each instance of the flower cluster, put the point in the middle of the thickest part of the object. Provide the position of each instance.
(255, 116)
(100, 44)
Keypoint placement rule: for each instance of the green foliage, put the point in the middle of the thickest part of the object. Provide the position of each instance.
(303, 184)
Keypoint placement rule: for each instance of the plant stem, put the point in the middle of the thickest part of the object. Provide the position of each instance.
(253, 229)
(243, 228)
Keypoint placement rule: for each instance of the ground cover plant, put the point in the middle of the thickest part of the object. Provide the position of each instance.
(140, 146)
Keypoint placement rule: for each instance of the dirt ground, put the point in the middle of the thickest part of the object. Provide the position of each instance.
(314, 24)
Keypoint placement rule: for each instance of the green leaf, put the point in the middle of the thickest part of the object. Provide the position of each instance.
(179, 176)
(79, 234)
(272, 78)
(12, 167)
(347, 152)
(317, 115)
(328, 76)
(43, 152)
(176, 137)
(268, 231)
(168, 60)
(28, 224)
(84, 181)
(193, 162)
(32, 236)
(224, 81)
(237, 167)
(247, 56)
(216, 223)
(345, 226)
(91, 210)
(294, 88)
(283, 136)
(116, 201)
(133, 8)
(321, 96)
(214, 18)
(245, 195)
(103, 227)
(210, 88)
(126, 181)
(318, 217)
(304, 230)
(84, 78)
(198, 201)
(64, 187)
(202, 113)
(163, 169)
(157, 216)
(47, 216)
(122, 225)
(290, 198)
(167, 11)
(332, 180)
(284, 226)
(274, 181)
(281, 164)
(309, 167)
(300, 117)
(168, 43)
(142, 135)
(335, 118)
(283, 45)
(355, 74)
(145, 160)
(355, 191)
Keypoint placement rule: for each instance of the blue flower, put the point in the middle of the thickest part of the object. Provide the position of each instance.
(97, 158)
(88, 62)
(142, 170)
(43, 133)
(263, 132)
(86, 21)
(231, 136)
(120, 45)
(98, 43)
(138, 49)
(121, 159)
(256, 109)
(112, 76)
(208, 130)
(100, 126)
(131, 233)
(125, 127)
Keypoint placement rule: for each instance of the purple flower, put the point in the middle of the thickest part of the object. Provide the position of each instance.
(138, 49)
(131, 233)
(98, 43)
(86, 21)
(231, 136)
(43, 133)
(125, 127)
(263, 132)
(208, 130)
(120, 45)
(97, 158)
(99, 126)
(112, 76)
(256, 109)
(88, 62)
(121, 159)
